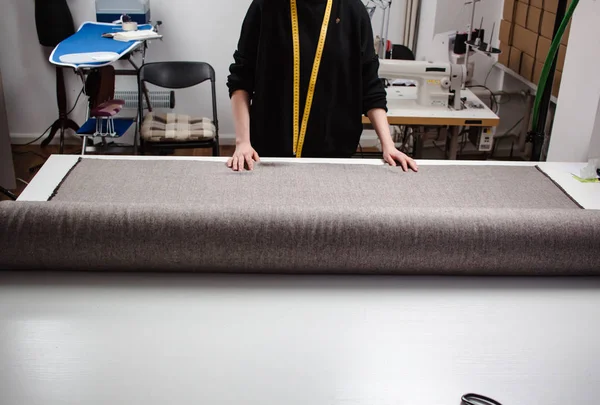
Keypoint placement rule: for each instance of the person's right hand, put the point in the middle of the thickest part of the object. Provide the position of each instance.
(244, 156)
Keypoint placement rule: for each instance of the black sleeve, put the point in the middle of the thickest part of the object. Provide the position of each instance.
(243, 68)
(374, 94)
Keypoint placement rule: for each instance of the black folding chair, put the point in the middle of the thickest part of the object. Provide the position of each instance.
(160, 132)
(402, 52)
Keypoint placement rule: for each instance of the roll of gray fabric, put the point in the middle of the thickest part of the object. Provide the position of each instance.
(362, 240)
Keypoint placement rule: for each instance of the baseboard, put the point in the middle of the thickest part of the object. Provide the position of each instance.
(368, 140)
(22, 139)
(70, 139)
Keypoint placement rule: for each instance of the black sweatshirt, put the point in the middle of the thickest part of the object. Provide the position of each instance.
(347, 87)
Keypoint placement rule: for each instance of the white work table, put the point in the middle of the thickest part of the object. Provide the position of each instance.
(115, 338)
(404, 110)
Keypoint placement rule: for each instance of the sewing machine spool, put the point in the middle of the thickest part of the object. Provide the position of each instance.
(130, 26)
(483, 47)
(460, 43)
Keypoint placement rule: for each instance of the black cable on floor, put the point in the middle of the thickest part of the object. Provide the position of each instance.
(30, 152)
(47, 129)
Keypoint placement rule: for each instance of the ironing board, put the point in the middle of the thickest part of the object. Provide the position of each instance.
(88, 40)
(88, 43)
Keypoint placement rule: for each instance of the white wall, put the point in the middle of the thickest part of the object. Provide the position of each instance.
(594, 152)
(439, 16)
(455, 14)
(426, 28)
(29, 84)
(396, 32)
(576, 114)
(193, 30)
(396, 25)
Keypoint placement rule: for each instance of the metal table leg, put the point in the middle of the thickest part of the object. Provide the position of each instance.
(452, 149)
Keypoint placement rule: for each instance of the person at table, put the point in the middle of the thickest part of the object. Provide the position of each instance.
(263, 88)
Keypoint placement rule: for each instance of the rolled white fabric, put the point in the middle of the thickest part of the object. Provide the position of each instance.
(130, 26)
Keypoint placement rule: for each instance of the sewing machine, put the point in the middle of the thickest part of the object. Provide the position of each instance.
(443, 49)
(439, 84)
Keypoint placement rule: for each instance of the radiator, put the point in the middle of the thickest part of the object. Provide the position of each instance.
(158, 99)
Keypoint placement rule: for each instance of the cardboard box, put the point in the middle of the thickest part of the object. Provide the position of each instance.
(506, 32)
(527, 65)
(525, 40)
(562, 54)
(537, 3)
(504, 56)
(551, 5)
(556, 84)
(534, 19)
(521, 12)
(565, 38)
(514, 62)
(537, 72)
(509, 10)
(543, 48)
(547, 26)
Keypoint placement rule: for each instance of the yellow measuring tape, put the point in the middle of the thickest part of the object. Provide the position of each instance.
(300, 133)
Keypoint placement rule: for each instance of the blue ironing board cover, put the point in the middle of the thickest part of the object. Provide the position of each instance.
(89, 39)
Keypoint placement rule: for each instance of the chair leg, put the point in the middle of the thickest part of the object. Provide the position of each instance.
(136, 144)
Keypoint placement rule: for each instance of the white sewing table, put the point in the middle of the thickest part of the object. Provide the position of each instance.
(404, 110)
(90, 338)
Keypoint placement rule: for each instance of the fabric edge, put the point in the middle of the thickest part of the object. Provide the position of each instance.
(58, 186)
(559, 187)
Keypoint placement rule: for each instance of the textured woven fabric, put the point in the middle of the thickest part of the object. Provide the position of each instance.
(176, 128)
(302, 218)
(361, 240)
(309, 186)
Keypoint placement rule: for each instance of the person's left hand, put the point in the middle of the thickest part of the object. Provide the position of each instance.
(393, 157)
